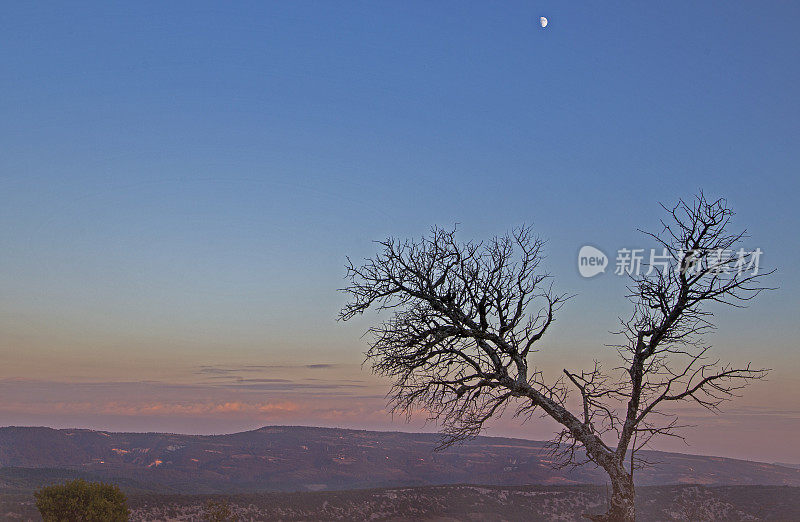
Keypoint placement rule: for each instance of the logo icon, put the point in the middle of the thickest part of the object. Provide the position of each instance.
(591, 261)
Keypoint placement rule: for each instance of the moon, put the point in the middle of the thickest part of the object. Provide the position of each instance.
(543, 21)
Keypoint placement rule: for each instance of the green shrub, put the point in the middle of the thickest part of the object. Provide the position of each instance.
(81, 501)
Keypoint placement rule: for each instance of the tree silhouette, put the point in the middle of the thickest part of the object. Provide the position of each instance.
(460, 344)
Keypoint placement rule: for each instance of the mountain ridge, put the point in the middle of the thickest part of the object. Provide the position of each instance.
(306, 458)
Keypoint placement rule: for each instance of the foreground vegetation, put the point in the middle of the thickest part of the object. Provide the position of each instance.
(79, 500)
(685, 502)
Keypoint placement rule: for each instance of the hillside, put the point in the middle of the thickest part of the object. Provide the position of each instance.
(285, 458)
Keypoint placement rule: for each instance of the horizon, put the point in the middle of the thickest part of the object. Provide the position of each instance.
(182, 184)
(404, 432)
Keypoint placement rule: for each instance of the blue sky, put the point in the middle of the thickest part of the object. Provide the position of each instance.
(180, 183)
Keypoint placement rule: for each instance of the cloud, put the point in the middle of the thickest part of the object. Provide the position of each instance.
(272, 385)
(262, 400)
(217, 370)
(253, 368)
(166, 408)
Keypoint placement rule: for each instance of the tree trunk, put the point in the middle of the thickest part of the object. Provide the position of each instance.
(621, 508)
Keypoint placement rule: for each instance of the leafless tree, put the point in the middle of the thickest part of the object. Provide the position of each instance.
(466, 318)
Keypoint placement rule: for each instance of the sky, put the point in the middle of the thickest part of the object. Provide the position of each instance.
(181, 183)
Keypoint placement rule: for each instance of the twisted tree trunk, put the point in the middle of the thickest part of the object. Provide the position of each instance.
(621, 506)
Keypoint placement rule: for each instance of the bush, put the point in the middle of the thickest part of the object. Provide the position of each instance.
(218, 511)
(81, 501)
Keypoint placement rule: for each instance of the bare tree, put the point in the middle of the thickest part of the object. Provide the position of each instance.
(467, 316)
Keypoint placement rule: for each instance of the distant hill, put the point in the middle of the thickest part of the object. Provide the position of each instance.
(286, 458)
